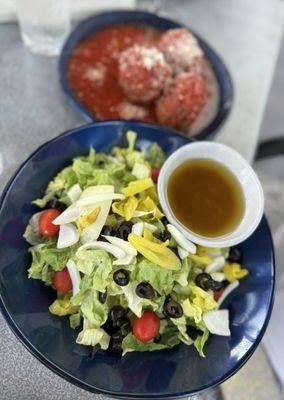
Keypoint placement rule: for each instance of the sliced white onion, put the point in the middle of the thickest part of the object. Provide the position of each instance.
(124, 261)
(139, 214)
(217, 264)
(68, 235)
(122, 244)
(152, 228)
(218, 276)
(232, 286)
(181, 240)
(74, 193)
(182, 253)
(74, 275)
(97, 189)
(110, 248)
(137, 228)
(69, 215)
(217, 322)
(86, 201)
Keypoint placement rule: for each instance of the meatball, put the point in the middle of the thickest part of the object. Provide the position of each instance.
(143, 73)
(182, 51)
(129, 111)
(182, 101)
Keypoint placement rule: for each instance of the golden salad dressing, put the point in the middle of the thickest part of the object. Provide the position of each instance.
(206, 197)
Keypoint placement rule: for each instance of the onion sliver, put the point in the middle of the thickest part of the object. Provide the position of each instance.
(74, 275)
(110, 248)
(232, 286)
(68, 236)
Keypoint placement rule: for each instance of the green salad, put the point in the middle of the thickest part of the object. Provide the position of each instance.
(126, 278)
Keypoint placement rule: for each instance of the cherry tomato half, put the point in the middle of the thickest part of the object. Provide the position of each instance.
(46, 227)
(218, 293)
(155, 174)
(146, 327)
(62, 281)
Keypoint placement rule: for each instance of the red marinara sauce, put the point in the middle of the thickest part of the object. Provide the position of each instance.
(93, 72)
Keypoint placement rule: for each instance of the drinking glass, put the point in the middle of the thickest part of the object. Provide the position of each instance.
(44, 24)
(149, 5)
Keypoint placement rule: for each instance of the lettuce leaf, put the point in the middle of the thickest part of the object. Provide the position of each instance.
(192, 311)
(94, 311)
(200, 341)
(129, 155)
(62, 307)
(92, 335)
(181, 277)
(180, 323)
(75, 320)
(47, 275)
(41, 202)
(96, 263)
(157, 156)
(56, 258)
(46, 258)
(100, 177)
(141, 170)
(35, 270)
(58, 187)
(102, 272)
(202, 299)
(130, 343)
(89, 259)
(160, 278)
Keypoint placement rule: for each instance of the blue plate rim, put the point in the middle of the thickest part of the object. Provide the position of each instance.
(227, 87)
(74, 380)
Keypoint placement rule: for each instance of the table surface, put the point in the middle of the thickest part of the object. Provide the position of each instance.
(33, 109)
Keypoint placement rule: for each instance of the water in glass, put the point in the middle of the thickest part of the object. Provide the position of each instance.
(44, 24)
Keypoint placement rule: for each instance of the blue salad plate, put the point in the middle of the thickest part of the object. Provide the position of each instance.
(163, 374)
(106, 19)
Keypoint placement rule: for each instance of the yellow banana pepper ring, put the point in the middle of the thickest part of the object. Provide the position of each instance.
(125, 208)
(152, 192)
(234, 271)
(203, 299)
(154, 252)
(137, 186)
(148, 204)
(201, 259)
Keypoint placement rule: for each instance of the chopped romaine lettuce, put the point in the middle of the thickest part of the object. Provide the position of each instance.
(75, 320)
(62, 307)
(92, 309)
(92, 335)
(157, 156)
(180, 323)
(200, 341)
(130, 343)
